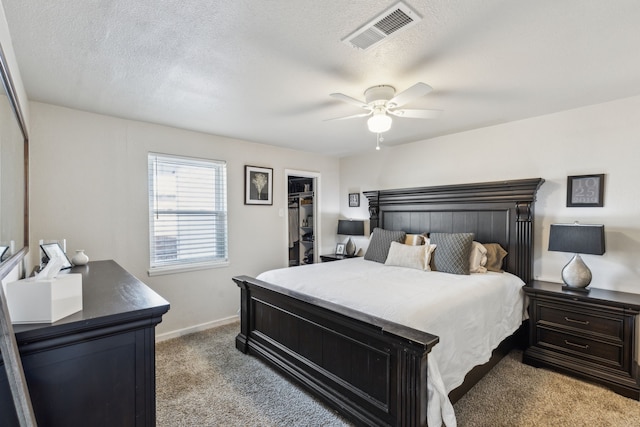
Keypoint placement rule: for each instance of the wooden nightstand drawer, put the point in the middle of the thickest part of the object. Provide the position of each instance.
(563, 316)
(588, 349)
(589, 335)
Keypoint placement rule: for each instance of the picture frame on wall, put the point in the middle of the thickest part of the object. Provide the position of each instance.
(258, 185)
(585, 191)
(341, 249)
(54, 251)
(354, 200)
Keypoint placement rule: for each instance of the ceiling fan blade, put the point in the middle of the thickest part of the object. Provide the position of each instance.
(349, 100)
(349, 117)
(416, 91)
(416, 114)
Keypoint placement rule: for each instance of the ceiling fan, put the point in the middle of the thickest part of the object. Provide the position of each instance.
(382, 101)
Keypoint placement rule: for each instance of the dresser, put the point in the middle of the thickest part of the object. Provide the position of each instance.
(593, 336)
(95, 367)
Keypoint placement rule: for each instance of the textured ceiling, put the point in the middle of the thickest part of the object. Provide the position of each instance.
(263, 70)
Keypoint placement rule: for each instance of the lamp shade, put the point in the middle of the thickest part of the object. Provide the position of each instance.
(379, 122)
(351, 227)
(577, 238)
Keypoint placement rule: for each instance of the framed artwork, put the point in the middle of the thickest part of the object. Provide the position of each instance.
(354, 200)
(341, 249)
(258, 185)
(54, 251)
(585, 191)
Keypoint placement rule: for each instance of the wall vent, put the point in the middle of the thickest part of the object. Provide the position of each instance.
(398, 16)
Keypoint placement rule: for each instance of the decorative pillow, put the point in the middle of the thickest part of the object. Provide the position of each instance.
(380, 242)
(428, 254)
(410, 256)
(478, 258)
(495, 256)
(452, 252)
(414, 239)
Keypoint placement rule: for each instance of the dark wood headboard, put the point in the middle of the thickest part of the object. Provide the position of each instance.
(497, 212)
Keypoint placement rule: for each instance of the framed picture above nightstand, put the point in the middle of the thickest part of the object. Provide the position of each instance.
(585, 191)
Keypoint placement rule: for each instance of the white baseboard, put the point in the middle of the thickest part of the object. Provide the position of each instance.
(196, 328)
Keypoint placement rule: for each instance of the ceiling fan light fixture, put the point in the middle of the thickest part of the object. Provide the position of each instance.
(379, 122)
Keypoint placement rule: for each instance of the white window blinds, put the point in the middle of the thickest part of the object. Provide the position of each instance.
(187, 213)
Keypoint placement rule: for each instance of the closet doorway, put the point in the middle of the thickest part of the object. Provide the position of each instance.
(302, 217)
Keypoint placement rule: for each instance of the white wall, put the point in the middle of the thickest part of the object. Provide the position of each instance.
(89, 185)
(602, 138)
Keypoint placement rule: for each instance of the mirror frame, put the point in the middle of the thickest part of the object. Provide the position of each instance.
(8, 345)
(9, 264)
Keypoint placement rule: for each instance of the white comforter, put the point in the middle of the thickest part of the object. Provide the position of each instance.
(471, 314)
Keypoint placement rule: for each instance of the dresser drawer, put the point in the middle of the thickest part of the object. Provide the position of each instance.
(609, 325)
(588, 349)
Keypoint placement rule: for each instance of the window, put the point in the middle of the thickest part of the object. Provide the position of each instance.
(187, 213)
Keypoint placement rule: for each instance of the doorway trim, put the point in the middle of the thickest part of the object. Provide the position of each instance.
(316, 210)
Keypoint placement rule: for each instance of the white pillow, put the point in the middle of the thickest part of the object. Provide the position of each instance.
(428, 254)
(477, 258)
(409, 256)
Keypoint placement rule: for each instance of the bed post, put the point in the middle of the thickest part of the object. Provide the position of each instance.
(524, 227)
(373, 209)
(413, 395)
(242, 339)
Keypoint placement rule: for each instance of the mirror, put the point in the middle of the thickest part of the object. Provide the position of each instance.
(14, 230)
(13, 175)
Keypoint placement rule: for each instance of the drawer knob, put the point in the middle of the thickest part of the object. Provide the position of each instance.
(582, 322)
(584, 347)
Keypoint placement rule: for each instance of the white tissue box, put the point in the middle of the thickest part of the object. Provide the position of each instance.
(44, 301)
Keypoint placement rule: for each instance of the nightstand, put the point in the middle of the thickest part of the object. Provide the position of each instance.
(592, 336)
(333, 257)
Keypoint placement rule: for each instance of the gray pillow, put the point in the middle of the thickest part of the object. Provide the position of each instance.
(380, 242)
(452, 252)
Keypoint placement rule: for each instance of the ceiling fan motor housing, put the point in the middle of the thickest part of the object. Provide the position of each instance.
(379, 95)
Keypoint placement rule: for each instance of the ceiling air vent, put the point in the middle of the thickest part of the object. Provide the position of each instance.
(398, 16)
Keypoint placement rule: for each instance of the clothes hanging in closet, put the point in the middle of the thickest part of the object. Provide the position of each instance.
(293, 225)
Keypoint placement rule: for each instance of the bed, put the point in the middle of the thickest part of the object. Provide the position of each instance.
(371, 369)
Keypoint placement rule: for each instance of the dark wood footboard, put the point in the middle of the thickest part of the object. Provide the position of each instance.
(371, 370)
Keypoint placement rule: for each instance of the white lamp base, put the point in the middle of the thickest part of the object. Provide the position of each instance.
(576, 274)
(350, 248)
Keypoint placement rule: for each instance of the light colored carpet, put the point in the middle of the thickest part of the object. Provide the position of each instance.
(202, 380)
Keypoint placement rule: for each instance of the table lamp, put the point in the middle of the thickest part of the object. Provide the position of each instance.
(350, 227)
(578, 239)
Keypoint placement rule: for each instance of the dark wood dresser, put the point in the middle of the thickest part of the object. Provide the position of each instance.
(592, 335)
(97, 366)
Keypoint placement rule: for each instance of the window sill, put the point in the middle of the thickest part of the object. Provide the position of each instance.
(174, 269)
